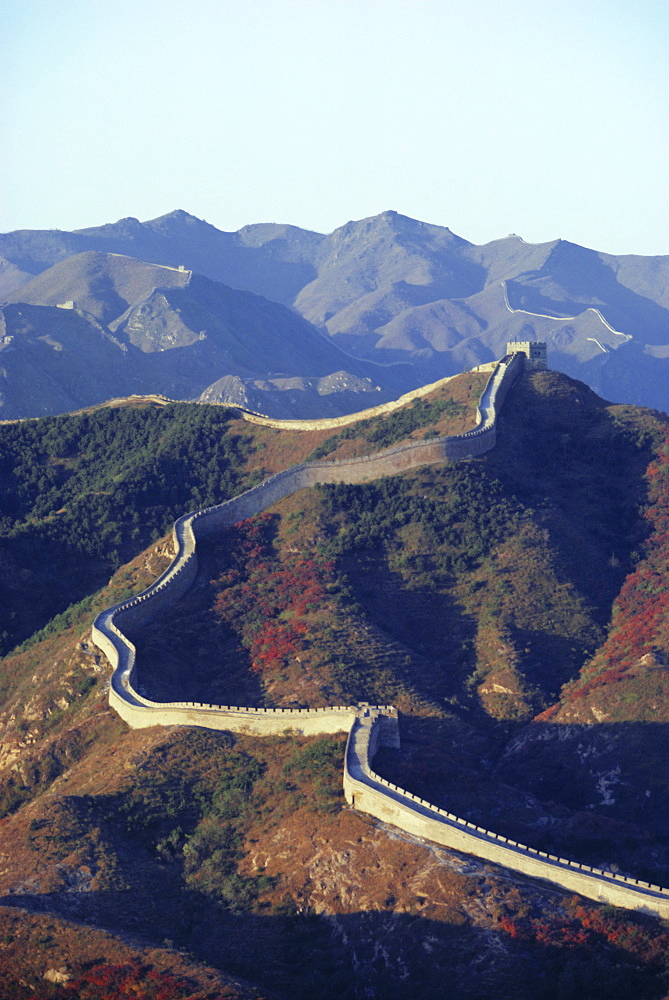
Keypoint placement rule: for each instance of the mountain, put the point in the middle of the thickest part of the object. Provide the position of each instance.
(274, 261)
(95, 326)
(391, 289)
(511, 605)
(103, 285)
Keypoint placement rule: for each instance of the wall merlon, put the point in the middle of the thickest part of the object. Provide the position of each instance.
(369, 727)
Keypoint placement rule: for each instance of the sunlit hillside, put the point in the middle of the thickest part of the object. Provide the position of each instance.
(500, 602)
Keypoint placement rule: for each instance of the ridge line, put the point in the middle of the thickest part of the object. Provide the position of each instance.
(368, 726)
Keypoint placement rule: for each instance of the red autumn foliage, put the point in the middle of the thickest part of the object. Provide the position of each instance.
(641, 612)
(590, 927)
(268, 598)
(135, 982)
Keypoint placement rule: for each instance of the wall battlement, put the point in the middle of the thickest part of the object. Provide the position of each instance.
(367, 791)
(368, 726)
(534, 350)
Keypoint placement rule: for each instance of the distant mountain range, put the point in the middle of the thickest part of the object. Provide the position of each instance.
(296, 323)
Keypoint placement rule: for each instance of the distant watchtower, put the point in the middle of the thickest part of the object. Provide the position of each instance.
(534, 351)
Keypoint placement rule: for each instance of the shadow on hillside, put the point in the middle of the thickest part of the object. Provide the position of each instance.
(592, 793)
(619, 768)
(186, 653)
(380, 954)
(561, 450)
(186, 656)
(40, 579)
(427, 622)
(549, 660)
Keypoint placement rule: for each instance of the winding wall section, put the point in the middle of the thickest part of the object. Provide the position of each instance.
(368, 728)
(367, 791)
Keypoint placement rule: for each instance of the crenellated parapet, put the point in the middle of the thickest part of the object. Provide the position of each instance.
(367, 791)
(369, 727)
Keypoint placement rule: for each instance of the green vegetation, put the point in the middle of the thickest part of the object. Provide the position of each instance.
(81, 494)
(531, 542)
(463, 516)
(385, 431)
(458, 534)
(319, 762)
(190, 807)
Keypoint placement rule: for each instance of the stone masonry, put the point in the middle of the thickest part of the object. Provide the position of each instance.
(368, 727)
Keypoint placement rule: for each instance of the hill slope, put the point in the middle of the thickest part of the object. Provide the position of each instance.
(466, 593)
(132, 327)
(390, 288)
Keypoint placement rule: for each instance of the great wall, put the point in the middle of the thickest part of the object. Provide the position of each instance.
(368, 727)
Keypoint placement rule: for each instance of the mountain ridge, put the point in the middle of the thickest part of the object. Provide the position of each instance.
(371, 276)
(447, 589)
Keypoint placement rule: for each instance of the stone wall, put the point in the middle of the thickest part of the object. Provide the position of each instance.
(378, 797)
(368, 727)
(177, 578)
(331, 423)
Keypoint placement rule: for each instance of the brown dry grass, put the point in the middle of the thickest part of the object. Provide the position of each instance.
(33, 944)
(274, 450)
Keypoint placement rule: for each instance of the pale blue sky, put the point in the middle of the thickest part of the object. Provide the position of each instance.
(544, 118)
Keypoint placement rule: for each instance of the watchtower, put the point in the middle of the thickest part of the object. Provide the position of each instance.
(534, 351)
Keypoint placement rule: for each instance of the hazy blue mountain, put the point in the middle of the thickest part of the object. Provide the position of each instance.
(104, 285)
(391, 289)
(96, 326)
(271, 260)
(55, 360)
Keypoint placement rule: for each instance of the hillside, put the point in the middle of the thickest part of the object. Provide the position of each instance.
(392, 289)
(80, 494)
(468, 594)
(102, 285)
(97, 326)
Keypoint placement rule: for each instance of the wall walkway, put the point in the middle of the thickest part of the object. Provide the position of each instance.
(367, 791)
(368, 727)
